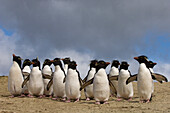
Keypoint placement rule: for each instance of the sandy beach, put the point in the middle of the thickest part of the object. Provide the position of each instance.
(160, 103)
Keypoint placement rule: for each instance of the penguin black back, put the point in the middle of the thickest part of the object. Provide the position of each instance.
(47, 62)
(115, 63)
(17, 59)
(36, 63)
(101, 64)
(27, 62)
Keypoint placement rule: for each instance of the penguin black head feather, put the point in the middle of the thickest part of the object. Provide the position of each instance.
(57, 61)
(66, 60)
(72, 65)
(151, 64)
(124, 65)
(27, 62)
(47, 62)
(93, 63)
(17, 59)
(101, 64)
(115, 63)
(36, 63)
(142, 59)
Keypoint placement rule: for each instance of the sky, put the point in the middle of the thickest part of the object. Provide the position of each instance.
(85, 30)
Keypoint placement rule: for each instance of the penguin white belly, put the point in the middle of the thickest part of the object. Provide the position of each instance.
(47, 70)
(26, 69)
(58, 85)
(152, 80)
(144, 83)
(114, 71)
(72, 85)
(15, 80)
(124, 91)
(36, 85)
(101, 88)
(89, 88)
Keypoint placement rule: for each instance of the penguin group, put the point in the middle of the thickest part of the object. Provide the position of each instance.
(65, 83)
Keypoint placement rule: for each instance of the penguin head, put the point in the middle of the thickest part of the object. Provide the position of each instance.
(102, 64)
(66, 60)
(72, 65)
(115, 63)
(142, 59)
(57, 61)
(93, 63)
(17, 59)
(27, 62)
(47, 62)
(124, 65)
(36, 63)
(151, 64)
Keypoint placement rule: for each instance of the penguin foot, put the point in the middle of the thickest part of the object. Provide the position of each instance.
(12, 96)
(119, 99)
(87, 99)
(22, 95)
(105, 102)
(97, 102)
(30, 96)
(130, 99)
(55, 98)
(76, 100)
(63, 99)
(41, 96)
(68, 101)
(147, 101)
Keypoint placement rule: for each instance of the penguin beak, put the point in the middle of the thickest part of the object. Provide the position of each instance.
(62, 59)
(32, 63)
(154, 63)
(136, 58)
(13, 55)
(52, 61)
(107, 63)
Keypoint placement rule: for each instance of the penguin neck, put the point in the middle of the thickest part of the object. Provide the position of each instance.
(26, 69)
(151, 70)
(35, 68)
(57, 67)
(65, 67)
(114, 71)
(18, 63)
(92, 69)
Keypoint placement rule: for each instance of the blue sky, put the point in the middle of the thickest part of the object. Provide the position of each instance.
(86, 30)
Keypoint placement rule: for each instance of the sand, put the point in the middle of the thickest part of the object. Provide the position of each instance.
(159, 104)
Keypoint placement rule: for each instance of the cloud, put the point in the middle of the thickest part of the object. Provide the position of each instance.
(106, 29)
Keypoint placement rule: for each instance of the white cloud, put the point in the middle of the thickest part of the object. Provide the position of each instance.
(7, 47)
(82, 59)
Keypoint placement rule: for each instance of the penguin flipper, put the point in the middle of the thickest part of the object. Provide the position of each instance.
(64, 80)
(159, 77)
(131, 79)
(80, 80)
(46, 76)
(25, 73)
(86, 84)
(85, 79)
(113, 78)
(49, 84)
(25, 81)
(112, 87)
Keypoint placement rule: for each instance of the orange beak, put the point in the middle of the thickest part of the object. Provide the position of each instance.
(107, 63)
(32, 63)
(154, 63)
(136, 58)
(13, 55)
(52, 60)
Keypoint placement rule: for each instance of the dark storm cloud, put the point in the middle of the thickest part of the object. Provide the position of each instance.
(108, 28)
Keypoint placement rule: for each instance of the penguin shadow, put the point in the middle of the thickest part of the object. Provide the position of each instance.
(5, 95)
(87, 102)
